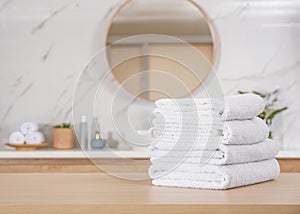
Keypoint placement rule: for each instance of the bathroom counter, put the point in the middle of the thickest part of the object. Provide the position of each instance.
(77, 153)
(101, 193)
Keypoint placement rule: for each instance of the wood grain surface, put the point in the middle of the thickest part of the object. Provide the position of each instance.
(101, 193)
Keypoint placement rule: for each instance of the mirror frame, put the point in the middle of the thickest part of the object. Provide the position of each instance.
(210, 26)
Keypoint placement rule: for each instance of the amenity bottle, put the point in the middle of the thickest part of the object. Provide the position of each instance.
(84, 133)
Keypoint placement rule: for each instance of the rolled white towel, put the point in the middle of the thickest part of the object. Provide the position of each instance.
(34, 138)
(217, 154)
(28, 127)
(237, 107)
(212, 176)
(16, 138)
(233, 132)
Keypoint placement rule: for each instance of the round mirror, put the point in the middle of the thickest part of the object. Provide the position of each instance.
(182, 19)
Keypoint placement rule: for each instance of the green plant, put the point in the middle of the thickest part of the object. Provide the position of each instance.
(271, 109)
(63, 125)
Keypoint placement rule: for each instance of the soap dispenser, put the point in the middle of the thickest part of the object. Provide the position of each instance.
(97, 142)
(84, 133)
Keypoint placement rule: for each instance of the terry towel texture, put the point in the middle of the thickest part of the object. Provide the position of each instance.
(28, 134)
(214, 177)
(28, 128)
(34, 138)
(238, 107)
(233, 132)
(211, 143)
(16, 138)
(218, 154)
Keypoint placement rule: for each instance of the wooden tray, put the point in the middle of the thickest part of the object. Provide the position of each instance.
(27, 147)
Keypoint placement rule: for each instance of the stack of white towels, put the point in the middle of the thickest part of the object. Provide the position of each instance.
(211, 143)
(28, 134)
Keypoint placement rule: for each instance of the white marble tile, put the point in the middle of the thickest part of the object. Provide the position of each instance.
(45, 45)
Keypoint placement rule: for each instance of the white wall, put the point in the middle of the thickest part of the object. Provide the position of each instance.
(45, 45)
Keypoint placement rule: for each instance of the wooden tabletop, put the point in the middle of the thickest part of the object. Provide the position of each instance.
(101, 193)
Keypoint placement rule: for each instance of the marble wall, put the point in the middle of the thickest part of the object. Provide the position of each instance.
(45, 45)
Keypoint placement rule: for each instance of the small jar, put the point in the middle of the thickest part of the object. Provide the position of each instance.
(97, 142)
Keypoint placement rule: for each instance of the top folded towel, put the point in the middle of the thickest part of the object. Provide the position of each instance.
(237, 107)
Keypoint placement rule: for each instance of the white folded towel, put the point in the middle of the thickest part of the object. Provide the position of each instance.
(237, 107)
(233, 132)
(216, 154)
(159, 120)
(201, 133)
(191, 104)
(28, 127)
(187, 116)
(214, 177)
(157, 123)
(16, 138)
(34, 138)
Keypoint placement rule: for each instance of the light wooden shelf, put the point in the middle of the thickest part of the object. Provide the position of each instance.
(76, 153)
(141, 152)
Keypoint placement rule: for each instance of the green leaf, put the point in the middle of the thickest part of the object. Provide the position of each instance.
(259, 93)
(66, 125)
(273, 114)
(274, 101)
(275, 91)
(242, 92)
(270, 135)
(63, 125)
(262, 115)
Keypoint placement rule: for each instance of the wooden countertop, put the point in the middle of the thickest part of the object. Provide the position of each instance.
(101, 193)
(142, 152)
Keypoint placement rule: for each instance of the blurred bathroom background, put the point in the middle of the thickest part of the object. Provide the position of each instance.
(45, 45)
